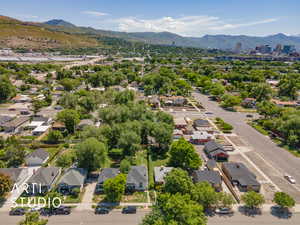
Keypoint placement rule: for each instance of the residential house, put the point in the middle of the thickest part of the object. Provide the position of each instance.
(173, 100)
(17, 175)
(160, 173)
(37, 158)
(105, 174)
(215, 151)
(177, 134)
(285, 103)
(241, 176)
(200, 138)
(15, 125)
(84, 123)
(180, 123)
(4, 119)
(40, 130)
(210, 176)
(249, 103)
(59, 126)
(43, 180)
(71, 179)
(199, 123)
(211, 164)
(137, 179)
(21, 99)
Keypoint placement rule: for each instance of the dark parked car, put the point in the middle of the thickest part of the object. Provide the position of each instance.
(249, 116)
(62, 210)
(224, 211)
(17, 212)
(129, 210)
(101, 210)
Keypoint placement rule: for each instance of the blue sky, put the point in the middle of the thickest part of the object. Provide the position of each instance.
(185, 17)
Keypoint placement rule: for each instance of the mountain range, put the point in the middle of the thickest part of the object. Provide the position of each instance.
(224, 42)
(58, 33)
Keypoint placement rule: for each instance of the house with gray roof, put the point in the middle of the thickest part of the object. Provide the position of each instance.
(241, 176)
(14, 126)
(72, 178)
(17, 175)
(137, 179)
(43, 180)
(160, 173)
(215, 151)
(105, 174)
(37, 158)
(212, 177)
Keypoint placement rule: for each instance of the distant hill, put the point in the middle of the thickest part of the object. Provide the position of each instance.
(18, 34)
(58, 22)
(223, 42)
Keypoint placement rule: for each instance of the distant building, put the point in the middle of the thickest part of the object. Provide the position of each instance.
(288, 49)
(264, 49)
(238, 48)
(278, 49)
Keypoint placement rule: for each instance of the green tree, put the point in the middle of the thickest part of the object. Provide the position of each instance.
(91, 154)
(228, 101)
(5, 184)
(178, 181)
(70, 118)
(253, 199)
(183, 155)
(225, 200)
(283, 200)
(114, 188)
(205, 195)
(65, 160)
(54, 136)
(125, 166)
(7, 90)
(33, 218)
(179, 209)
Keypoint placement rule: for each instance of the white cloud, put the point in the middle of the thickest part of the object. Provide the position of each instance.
(185, 25)
(95, 13)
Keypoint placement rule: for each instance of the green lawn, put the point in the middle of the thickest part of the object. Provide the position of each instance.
(141, 158)
(73, 199)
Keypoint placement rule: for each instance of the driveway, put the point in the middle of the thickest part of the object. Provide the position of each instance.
(273, 160)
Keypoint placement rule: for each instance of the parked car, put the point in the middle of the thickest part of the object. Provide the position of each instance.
(249, 116)
(101, 210)
(17, 212)
(290, 179)
(224, 211)
(129, 210)
(209, 113)
(62, 210)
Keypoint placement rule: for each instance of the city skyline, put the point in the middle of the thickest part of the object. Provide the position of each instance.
(191, 18)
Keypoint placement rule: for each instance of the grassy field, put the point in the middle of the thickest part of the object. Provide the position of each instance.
(136, 197)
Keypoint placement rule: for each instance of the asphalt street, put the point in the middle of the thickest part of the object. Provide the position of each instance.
(116, 218)
(273, 160)
(83, 218)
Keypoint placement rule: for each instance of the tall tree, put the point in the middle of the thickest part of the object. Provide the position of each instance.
(114, 188)
(284, 200)
(253, 199)
(205, 195)
(91, 154)
(183, 155)
(70, 118)
(5, 184)
(33, 218)
(178, 181)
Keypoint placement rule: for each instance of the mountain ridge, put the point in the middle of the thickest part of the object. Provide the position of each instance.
(221, 41)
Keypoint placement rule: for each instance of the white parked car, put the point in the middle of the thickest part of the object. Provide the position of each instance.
(290, 179)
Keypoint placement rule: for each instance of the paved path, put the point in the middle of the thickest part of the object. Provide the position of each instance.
(87, 197)
(271, 159)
